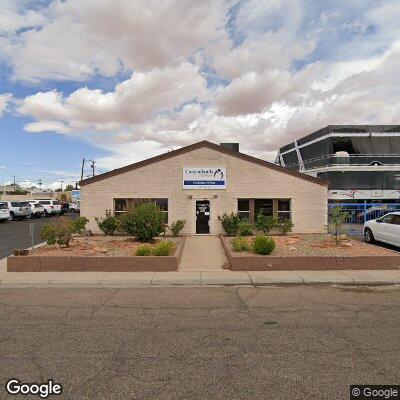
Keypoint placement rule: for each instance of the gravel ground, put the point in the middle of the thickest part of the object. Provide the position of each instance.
(317, 244)
(96, 246)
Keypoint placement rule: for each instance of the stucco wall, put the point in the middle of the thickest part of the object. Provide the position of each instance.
(245, 179)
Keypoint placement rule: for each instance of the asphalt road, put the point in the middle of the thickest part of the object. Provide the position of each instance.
(200, 343)
(15, 234)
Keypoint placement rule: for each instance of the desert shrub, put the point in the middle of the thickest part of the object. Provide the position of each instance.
(336, 220)
(240, 243)
(245, 228)
(263, 245)
(285, 226)
(79, 224)
(144, 250)
(266, 223)
(144, 221)
(177, 226)
(109, 224)
(165, 248)
(230, 223)
(58, 232)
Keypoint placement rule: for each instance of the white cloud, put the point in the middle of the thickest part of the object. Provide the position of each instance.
(260, 73)
(78, 39)
(4, 101)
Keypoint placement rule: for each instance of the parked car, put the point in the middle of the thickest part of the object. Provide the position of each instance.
(37, 210)
(4, 212)
(75, 207)
(18, 209)
(385, 229)
(51, 207)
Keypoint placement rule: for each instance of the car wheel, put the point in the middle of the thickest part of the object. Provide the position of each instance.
(29, 216)
(369, 236)
(12, 216)
(45, 214)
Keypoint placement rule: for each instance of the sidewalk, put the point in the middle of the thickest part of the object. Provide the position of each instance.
(195, 278)
(202, 253)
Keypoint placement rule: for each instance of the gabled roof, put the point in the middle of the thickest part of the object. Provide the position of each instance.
(196, 146)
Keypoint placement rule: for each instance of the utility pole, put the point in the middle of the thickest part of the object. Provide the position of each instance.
(83, 166)
(92, 166)
(14, 184)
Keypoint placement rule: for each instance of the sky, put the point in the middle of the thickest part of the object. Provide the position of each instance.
(118, 81)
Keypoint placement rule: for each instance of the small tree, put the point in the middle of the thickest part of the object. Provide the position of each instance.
(58, 232)
(177, 226)
(285, 226)
(69, 188)
(145, 221)
(245, 228)
(230, 223)
(337, 217)
(266, 223)
(79, 224)
(109, 224)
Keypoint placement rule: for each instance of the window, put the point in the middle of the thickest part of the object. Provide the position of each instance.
(3, 206)
(15, 204)
(122, 205)
(387, 219)
(283, 209)
(263, 206)
(56, 202)
(396, 219)
(244, 208)
(44, 202)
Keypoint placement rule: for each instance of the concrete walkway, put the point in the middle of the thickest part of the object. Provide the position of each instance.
(203, 253)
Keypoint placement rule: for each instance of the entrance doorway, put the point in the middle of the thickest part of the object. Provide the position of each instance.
(202, 217)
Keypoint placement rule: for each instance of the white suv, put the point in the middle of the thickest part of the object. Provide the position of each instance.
(51, 207)
(18, 209)
(4, 212)
(37, 210)
(385, 229)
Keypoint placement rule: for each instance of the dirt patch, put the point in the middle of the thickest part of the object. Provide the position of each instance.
(96, 246)
(314, 244)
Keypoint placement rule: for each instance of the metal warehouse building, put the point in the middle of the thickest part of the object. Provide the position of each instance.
(202, 181)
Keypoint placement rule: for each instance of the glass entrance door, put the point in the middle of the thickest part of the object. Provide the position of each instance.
(202, 217)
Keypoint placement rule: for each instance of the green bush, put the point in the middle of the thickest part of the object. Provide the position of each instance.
(285, 226)
(240, 243)
(263, 245)
(58, 232)
(266, 223)
(177, 226)
(109, 224)
(165, 248)
(230, 223)
(79, 224)
(145, 221)
(144, 250)
(245, 228)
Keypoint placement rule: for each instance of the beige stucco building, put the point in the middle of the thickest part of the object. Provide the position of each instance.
(202, 181)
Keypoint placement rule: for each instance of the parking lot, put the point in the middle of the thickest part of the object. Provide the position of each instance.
(15, 234)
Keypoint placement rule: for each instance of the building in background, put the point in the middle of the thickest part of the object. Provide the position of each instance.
(360, 162)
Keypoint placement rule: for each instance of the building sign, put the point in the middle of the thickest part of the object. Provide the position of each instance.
(204, 178)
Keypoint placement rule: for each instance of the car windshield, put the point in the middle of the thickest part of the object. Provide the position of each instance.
(15, 204)
(3, 206)
(56, 203)
(25, 204)
(44, 202)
